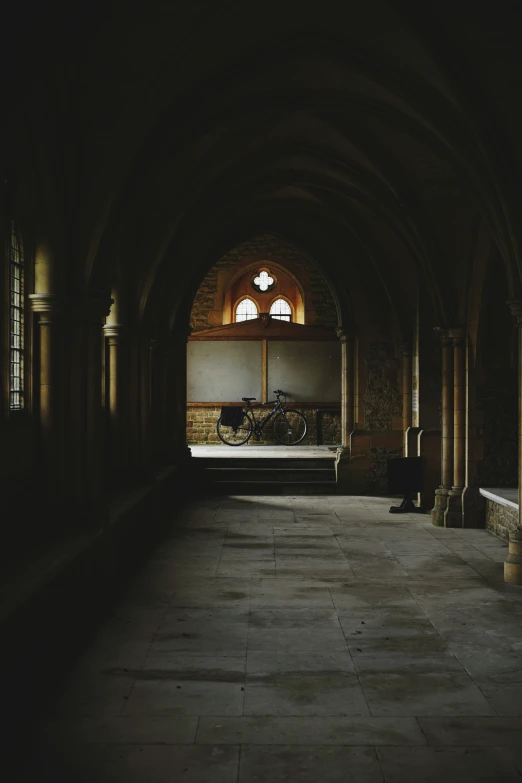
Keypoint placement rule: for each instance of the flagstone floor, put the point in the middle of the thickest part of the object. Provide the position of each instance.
(298, 639)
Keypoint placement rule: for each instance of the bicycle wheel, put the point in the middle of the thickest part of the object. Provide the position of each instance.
(233, 437)
(290, 427)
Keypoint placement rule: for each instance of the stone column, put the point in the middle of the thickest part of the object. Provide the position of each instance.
(347, 407)
(347, 386)
(442, 493)
(515, 306)
(161, 396)
(145, 403)
(87, 422)
(176, 369)
(113, 332)
(406, 370)
(183, 449)
(45, 307)
(453, 514)
(159, 401)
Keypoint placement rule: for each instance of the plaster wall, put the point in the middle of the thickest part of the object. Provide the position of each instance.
(223, 371)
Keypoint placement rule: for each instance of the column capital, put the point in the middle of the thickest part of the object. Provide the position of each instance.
(112, 330)
(344, 334)
(515, 305)
(444, 335)
(44, 303)
(457, 334)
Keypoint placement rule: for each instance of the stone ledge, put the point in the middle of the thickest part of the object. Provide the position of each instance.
(504, 496)
(501, 510)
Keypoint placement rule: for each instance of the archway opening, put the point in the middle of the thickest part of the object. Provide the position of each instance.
(259, 323)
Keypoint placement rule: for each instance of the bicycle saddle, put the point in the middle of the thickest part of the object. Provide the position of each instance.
(248, 399)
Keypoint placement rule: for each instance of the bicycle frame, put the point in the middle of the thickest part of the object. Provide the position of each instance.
(260, 425)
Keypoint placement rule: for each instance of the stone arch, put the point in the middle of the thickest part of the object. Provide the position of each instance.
(286, 259)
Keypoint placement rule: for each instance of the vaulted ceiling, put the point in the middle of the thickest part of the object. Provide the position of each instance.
(380, 137)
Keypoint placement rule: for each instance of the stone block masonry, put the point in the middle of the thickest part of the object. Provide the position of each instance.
(201, 426)
(382, 397)
(501, 520)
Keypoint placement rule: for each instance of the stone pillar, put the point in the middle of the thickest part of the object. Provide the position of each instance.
(406, 370)
(134, 406)
(113, 332)
(453, 514)
(145, 406)
(159, 401)
(87, 422)
(45, 307)
(347, 386)
(442, 493)
(347, 407)
(161, 398)
(177, 373)
(515, 306)
(513, 562)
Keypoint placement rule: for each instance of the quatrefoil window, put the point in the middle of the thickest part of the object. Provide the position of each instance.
(263, 282)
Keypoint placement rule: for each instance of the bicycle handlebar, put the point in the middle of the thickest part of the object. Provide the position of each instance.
(278, 391)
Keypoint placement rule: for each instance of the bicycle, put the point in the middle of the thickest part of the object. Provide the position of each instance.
(289, 425)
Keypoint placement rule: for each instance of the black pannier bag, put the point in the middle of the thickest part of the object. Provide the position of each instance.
(232, 416)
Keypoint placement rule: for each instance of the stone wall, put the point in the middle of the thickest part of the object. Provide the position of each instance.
(378, 473)
(501, 520)
(201, 427)
(267, 247)
(497, 405)
(382, 396)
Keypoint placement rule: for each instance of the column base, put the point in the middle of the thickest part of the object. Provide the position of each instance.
(441, 504)
(473, 508)
(513, 562)
(342, 461)
(453, 516)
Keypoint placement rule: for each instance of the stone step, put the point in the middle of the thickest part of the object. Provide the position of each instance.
(271, 475)
(270, 463)
(285, 475)
(273, 488)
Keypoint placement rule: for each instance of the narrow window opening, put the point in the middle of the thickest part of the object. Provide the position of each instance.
(246, 310)
(16, 322)
(281, 309)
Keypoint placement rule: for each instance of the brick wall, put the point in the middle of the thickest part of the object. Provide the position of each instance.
(271, 248)
(201, 427)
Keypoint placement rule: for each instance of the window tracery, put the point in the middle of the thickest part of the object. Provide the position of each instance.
(263, 281)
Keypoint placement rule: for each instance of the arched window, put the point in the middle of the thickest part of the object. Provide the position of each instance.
(16, 322)
(281, 309)
(246, 310)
